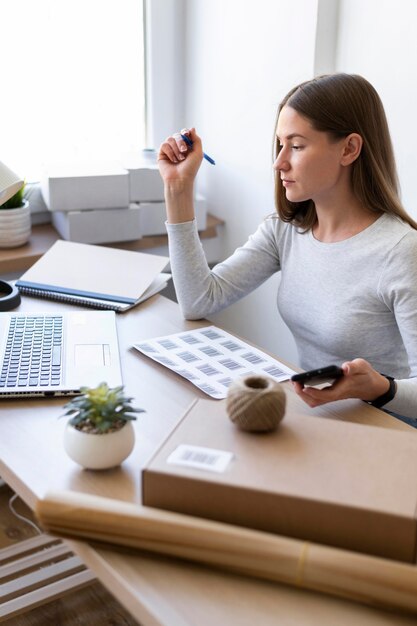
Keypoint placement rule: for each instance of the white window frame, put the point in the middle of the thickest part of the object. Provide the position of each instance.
(164, 23)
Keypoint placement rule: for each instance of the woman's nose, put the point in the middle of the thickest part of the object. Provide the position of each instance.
(280, 163)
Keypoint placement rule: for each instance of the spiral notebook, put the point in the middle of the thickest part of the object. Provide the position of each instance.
(95, 276)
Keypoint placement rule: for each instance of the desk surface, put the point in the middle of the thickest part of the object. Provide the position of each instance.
(157, 590)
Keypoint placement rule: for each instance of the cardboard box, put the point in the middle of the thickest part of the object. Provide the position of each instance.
(153, 216)
(98, 226)
(145, 183)
(83, 187)
(322, 480)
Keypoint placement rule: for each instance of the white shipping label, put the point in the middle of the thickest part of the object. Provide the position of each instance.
(200, 458)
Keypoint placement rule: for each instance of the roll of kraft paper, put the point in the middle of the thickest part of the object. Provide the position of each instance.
(366, 579)
(256, 403)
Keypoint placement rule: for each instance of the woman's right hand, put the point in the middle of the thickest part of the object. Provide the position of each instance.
(178, 163)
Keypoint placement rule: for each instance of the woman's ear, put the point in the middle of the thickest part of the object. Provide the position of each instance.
(352, 148)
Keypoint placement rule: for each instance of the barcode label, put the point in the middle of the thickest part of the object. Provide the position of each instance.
(208, 369)
(210, 351)
(231, 365)
(186, 374)
(190, 339)
(189, 357)
(168, 344)
(273, 370)
(231, 345)
(145, 347)
(253, 358)
(226, 382)
(211, 334)
(201, 458)
(211, 391)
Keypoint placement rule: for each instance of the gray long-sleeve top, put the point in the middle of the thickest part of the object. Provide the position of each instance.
(344, 300)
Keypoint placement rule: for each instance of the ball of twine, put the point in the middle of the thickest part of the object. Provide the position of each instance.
(256, 403)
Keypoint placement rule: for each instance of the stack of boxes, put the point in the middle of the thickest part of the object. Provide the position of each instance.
(109, 203)
(147, 191)
(91, 205)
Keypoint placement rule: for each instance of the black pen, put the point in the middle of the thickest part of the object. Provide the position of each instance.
(190, 144)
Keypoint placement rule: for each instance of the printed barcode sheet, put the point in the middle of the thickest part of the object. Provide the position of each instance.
(211, 359)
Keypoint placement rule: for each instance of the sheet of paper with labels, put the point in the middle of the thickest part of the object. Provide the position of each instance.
(212, 358)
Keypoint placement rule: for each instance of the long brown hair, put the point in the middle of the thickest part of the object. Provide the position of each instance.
(341, 104)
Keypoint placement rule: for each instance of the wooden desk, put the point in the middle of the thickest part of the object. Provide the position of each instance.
(44, 235)
(155, 590)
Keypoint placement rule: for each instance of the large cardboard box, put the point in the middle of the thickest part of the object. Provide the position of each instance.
(322, 480)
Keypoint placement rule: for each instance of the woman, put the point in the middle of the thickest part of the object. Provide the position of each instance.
(346, 248)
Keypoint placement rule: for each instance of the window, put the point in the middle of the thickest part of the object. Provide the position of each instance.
(73, 85)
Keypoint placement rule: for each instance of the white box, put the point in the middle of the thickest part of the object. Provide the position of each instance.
(39, 213)
(98, 226)
(153, 216)
(146, 184)
(86, 186)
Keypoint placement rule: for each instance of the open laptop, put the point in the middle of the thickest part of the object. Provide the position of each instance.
(54, 354)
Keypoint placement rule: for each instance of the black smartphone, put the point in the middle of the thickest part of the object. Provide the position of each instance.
(319, 376)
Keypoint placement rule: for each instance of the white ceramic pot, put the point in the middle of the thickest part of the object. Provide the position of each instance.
(15, 226)
(99, 451)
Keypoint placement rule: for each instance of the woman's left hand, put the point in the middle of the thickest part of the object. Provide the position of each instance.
(360, 381)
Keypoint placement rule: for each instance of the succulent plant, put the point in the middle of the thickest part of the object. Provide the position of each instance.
(100, 409)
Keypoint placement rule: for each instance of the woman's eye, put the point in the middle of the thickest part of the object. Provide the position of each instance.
(294, 147)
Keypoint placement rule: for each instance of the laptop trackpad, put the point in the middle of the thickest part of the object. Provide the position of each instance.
(93, 354)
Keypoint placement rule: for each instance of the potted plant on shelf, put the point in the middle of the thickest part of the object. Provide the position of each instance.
(15, 222)
(99, 434)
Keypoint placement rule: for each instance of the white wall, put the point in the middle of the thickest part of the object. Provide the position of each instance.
(377, 38)
(242, 57)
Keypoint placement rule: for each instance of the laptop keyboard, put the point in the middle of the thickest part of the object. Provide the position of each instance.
(33, 355)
